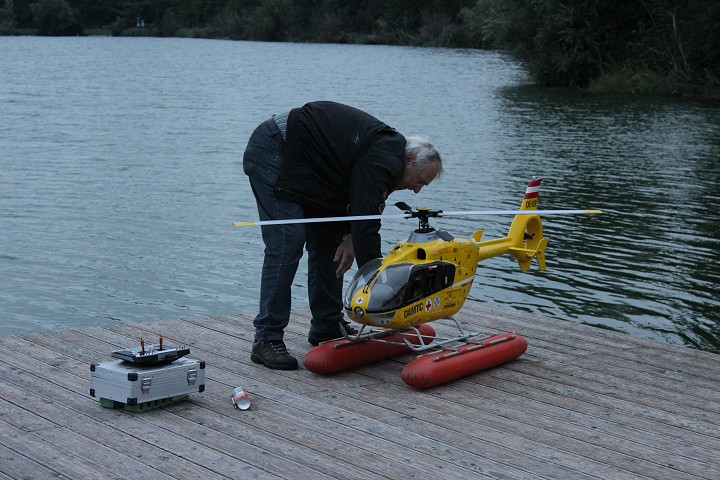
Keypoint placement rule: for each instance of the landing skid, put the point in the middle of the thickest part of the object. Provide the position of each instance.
(449, 358)
(353, 351)
(440, 343)
(408, 336)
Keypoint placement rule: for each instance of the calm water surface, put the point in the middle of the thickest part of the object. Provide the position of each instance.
(120, 172)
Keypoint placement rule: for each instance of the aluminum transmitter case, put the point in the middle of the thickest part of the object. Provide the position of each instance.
(131, 384)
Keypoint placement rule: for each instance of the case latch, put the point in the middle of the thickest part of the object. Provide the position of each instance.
(191, 376)
(145, 384)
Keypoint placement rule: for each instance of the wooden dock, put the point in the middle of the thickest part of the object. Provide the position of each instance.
(582, 402)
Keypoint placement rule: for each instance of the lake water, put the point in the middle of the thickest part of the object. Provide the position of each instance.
(120, 173)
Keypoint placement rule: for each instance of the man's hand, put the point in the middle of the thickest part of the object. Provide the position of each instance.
(345, 254)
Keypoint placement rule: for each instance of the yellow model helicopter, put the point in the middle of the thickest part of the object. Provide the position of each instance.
(425, 278)
(429, 276)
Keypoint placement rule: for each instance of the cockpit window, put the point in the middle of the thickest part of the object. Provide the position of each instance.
(361, 278)
(401, 284)
(428, 279)
(388, 288)
(405, 283)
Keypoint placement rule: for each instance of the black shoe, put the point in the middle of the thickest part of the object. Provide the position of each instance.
(273, 354)
(316, 338)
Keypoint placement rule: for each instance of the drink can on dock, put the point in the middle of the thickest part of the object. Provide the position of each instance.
(241, 399)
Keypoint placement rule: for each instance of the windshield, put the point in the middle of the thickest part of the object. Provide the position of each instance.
(388, 289)
(399, 284)
(361, 278)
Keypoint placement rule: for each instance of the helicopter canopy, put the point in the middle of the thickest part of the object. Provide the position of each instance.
(398, 284)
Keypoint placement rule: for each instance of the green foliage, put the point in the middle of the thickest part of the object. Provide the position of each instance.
(55, 17)
(673, 45)
(7, 18)
(643, 82)
(563, 42)
(576, 42)
(687, 41)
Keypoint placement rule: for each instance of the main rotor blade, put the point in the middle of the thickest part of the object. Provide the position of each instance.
(408, 215)
(520, 212)
(320, 220)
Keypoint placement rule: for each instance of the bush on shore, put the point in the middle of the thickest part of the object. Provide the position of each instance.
(661, 46)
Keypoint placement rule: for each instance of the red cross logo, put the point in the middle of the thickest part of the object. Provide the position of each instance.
(428, 306)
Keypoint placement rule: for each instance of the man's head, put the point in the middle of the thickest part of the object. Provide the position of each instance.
(423, 164)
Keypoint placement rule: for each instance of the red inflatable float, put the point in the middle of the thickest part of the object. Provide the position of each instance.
(433, 369)
(338, 355)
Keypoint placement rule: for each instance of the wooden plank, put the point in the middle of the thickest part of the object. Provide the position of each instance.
(56, 384)
(384, 466)
(24, 407)
(34, 448)
(510, 457)
(682, 394)
(541, 403)
(702, 469)
(306, 407)
(614, 343)
(581, 403)
(578, 385)
(266, 372)
(16, 465)
(676, 381)
(217, 441)
(3, 476)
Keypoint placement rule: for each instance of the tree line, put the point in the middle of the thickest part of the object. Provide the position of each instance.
(641, 46)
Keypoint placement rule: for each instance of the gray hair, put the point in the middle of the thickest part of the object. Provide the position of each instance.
(425, 153)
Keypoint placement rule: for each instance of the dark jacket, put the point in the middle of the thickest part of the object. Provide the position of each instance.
(339, 160)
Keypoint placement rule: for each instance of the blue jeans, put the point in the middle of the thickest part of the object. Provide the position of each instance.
(284, 245)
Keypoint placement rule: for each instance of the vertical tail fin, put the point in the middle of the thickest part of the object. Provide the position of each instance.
(525, 236)
(532, 193)
(526, 230)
